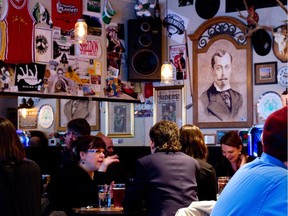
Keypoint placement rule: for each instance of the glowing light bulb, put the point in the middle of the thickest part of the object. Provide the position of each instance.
(166, 73)
(80, 31)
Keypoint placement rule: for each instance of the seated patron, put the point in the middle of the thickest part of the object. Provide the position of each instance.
(260, 187)
(166, 179)
(115, 171)
(76, 183)
(233, 155)
(192, 141)
(76, 127)
(20, 178)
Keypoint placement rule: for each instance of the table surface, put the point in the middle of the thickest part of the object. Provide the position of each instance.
(106, 211)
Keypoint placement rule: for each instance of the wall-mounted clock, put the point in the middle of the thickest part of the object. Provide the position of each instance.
(282, 76)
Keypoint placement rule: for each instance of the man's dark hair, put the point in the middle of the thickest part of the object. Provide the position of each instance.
(79, 126)
(165, 135)
(219, 53)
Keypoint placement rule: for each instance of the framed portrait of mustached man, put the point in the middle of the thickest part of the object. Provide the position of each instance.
(222, 74)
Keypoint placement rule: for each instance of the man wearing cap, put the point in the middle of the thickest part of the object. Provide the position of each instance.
(221, 102)
(260, 187)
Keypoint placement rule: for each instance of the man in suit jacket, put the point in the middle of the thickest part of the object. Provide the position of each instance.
(220, 101)
(165, 180)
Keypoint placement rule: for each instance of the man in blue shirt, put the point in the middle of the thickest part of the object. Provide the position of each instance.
(260, 187)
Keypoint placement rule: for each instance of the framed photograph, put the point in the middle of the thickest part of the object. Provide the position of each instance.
(219, 134)
(120, 119)
(222, 78)
(68, 109)
(265, 73)
(169, 104)
(210, 139)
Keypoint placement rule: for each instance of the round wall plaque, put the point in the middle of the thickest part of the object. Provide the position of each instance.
(46, 116)
(268, 103)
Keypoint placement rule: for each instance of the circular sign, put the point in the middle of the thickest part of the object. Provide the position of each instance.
(282, 76)
(268, 103)
(46, 116)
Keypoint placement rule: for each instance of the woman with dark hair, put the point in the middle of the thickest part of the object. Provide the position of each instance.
(233, 154)
(20, 181)
(76, 183)
(192, 141)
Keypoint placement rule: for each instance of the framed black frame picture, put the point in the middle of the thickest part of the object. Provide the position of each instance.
(265, 73)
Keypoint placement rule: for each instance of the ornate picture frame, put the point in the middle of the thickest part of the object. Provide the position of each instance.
(87, 109)
(120, 119)
(209, 109)
(169, 104)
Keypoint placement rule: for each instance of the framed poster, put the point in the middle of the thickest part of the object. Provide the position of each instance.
(120, 119)
(222, 78)
(169, 104)
(68, 109)
(265, 73)
(177, 58)
(43, 45)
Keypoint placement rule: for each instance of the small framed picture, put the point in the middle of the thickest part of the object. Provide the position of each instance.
(120, 119)
(210, 139)
(265, 73)
(219, 134)
(68, 109)
(169, 104)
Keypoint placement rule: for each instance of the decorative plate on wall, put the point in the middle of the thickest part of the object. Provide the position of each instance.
(268, 103)
(46, 116)
(282, 76)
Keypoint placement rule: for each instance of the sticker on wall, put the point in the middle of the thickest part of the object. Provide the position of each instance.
(175, 25)
(65, 14)
(29, 77)
(43, 44)
(89, 49)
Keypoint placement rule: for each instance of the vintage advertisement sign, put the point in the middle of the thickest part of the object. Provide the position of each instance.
(30, 120)
(90, 49)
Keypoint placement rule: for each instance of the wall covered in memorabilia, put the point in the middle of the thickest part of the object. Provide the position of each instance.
(62, 71)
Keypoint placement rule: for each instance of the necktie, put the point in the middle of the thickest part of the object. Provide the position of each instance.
(75, 104)
(226, 98)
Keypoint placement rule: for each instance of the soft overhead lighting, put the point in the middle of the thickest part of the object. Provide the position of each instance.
(166, 73)
(80, 31)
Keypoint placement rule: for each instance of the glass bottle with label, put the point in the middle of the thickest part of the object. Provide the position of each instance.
(157, 10)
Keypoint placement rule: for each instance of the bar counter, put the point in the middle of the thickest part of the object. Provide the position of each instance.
(106, 211)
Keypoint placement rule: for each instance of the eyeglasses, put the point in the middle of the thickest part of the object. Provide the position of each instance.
(94, 151)
(71, 133)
